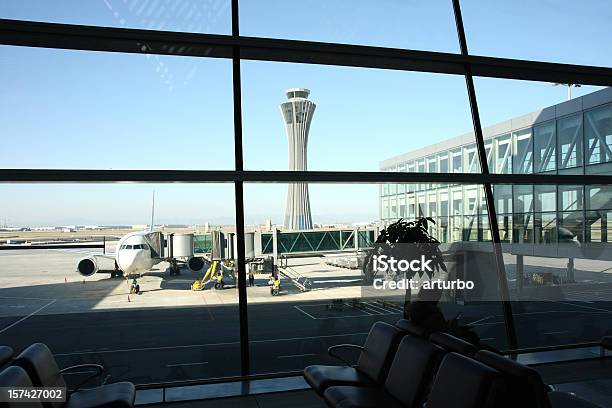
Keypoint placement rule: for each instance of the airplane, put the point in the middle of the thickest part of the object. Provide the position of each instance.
(137, 253)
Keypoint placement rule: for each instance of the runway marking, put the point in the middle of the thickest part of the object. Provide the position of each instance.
(186, 364)
(363, 312)
(26, 298)
(355, 316)
(557, 332)
(602, 311)
(479, 320)
(586, 307)
(306, 313)
(28, 316)
(377, 308)
(76, 353)
(298, 355)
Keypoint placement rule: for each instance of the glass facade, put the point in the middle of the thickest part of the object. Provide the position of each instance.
(555, 238)
(553, 146)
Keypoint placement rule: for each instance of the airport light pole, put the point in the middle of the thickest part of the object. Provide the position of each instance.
(569, 88)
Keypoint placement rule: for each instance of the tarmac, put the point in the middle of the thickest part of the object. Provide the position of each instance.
(170, 333)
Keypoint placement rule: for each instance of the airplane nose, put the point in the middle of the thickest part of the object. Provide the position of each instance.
(126, 261)
(129, 262)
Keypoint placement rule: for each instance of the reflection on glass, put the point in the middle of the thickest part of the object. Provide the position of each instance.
(196, 16)
(149, 333)
(503, 158)
(569, 139)
(598, 137)
(523, 152)
(544, 136)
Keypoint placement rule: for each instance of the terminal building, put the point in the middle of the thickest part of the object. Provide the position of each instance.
(573, 137)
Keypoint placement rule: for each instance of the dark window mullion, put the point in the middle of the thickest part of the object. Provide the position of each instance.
(239, 196)
(482, 155)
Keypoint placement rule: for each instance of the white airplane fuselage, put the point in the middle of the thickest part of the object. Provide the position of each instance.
(133, 254)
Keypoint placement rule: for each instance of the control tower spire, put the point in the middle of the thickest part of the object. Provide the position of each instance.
(297, 113)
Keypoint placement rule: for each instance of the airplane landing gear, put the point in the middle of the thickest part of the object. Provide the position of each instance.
(174, 268)
(135, 288)
(116, 272)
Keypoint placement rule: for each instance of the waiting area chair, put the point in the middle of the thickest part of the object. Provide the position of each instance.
(441, 370)
(6, 355)
(16, 377)
(41, 370)
(372, 366)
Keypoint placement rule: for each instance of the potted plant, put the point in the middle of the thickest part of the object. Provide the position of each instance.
(410, 240)
(405, 240)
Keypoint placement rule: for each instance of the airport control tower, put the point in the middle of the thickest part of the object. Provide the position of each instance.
(297, 113)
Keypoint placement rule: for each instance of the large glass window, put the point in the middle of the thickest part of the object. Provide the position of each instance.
(411, 169)
(544, 147)
(598, 139)
(353, 22)
(153, 336)
(197, 16)
(523, 214)
(95, 110)
(553, 272)
(149, 105)
(545, 214)
(457, 160)
(344, 127)
(523, 152)
(567, 29)
(503, 157)
(569, 141)
(599, 214)
(470, 159)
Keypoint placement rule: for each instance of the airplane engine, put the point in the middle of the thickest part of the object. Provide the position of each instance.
(195, 263)
(87, 266)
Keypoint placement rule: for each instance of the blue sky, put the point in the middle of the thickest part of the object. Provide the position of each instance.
(78, 109)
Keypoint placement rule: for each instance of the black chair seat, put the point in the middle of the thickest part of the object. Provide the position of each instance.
(560, 399)
(465, 383)
(359, 397)
(41, 367)
(411, 328)
(372, 366)
(13, 377)
(452, 343)
(524, 386)
(115, 395)
(321, 377)
(6, 353)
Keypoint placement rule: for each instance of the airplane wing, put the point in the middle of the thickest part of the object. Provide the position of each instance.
(107, 255)
(91, 263)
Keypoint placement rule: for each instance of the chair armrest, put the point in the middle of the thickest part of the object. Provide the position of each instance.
(331, 349)
(99, 372)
